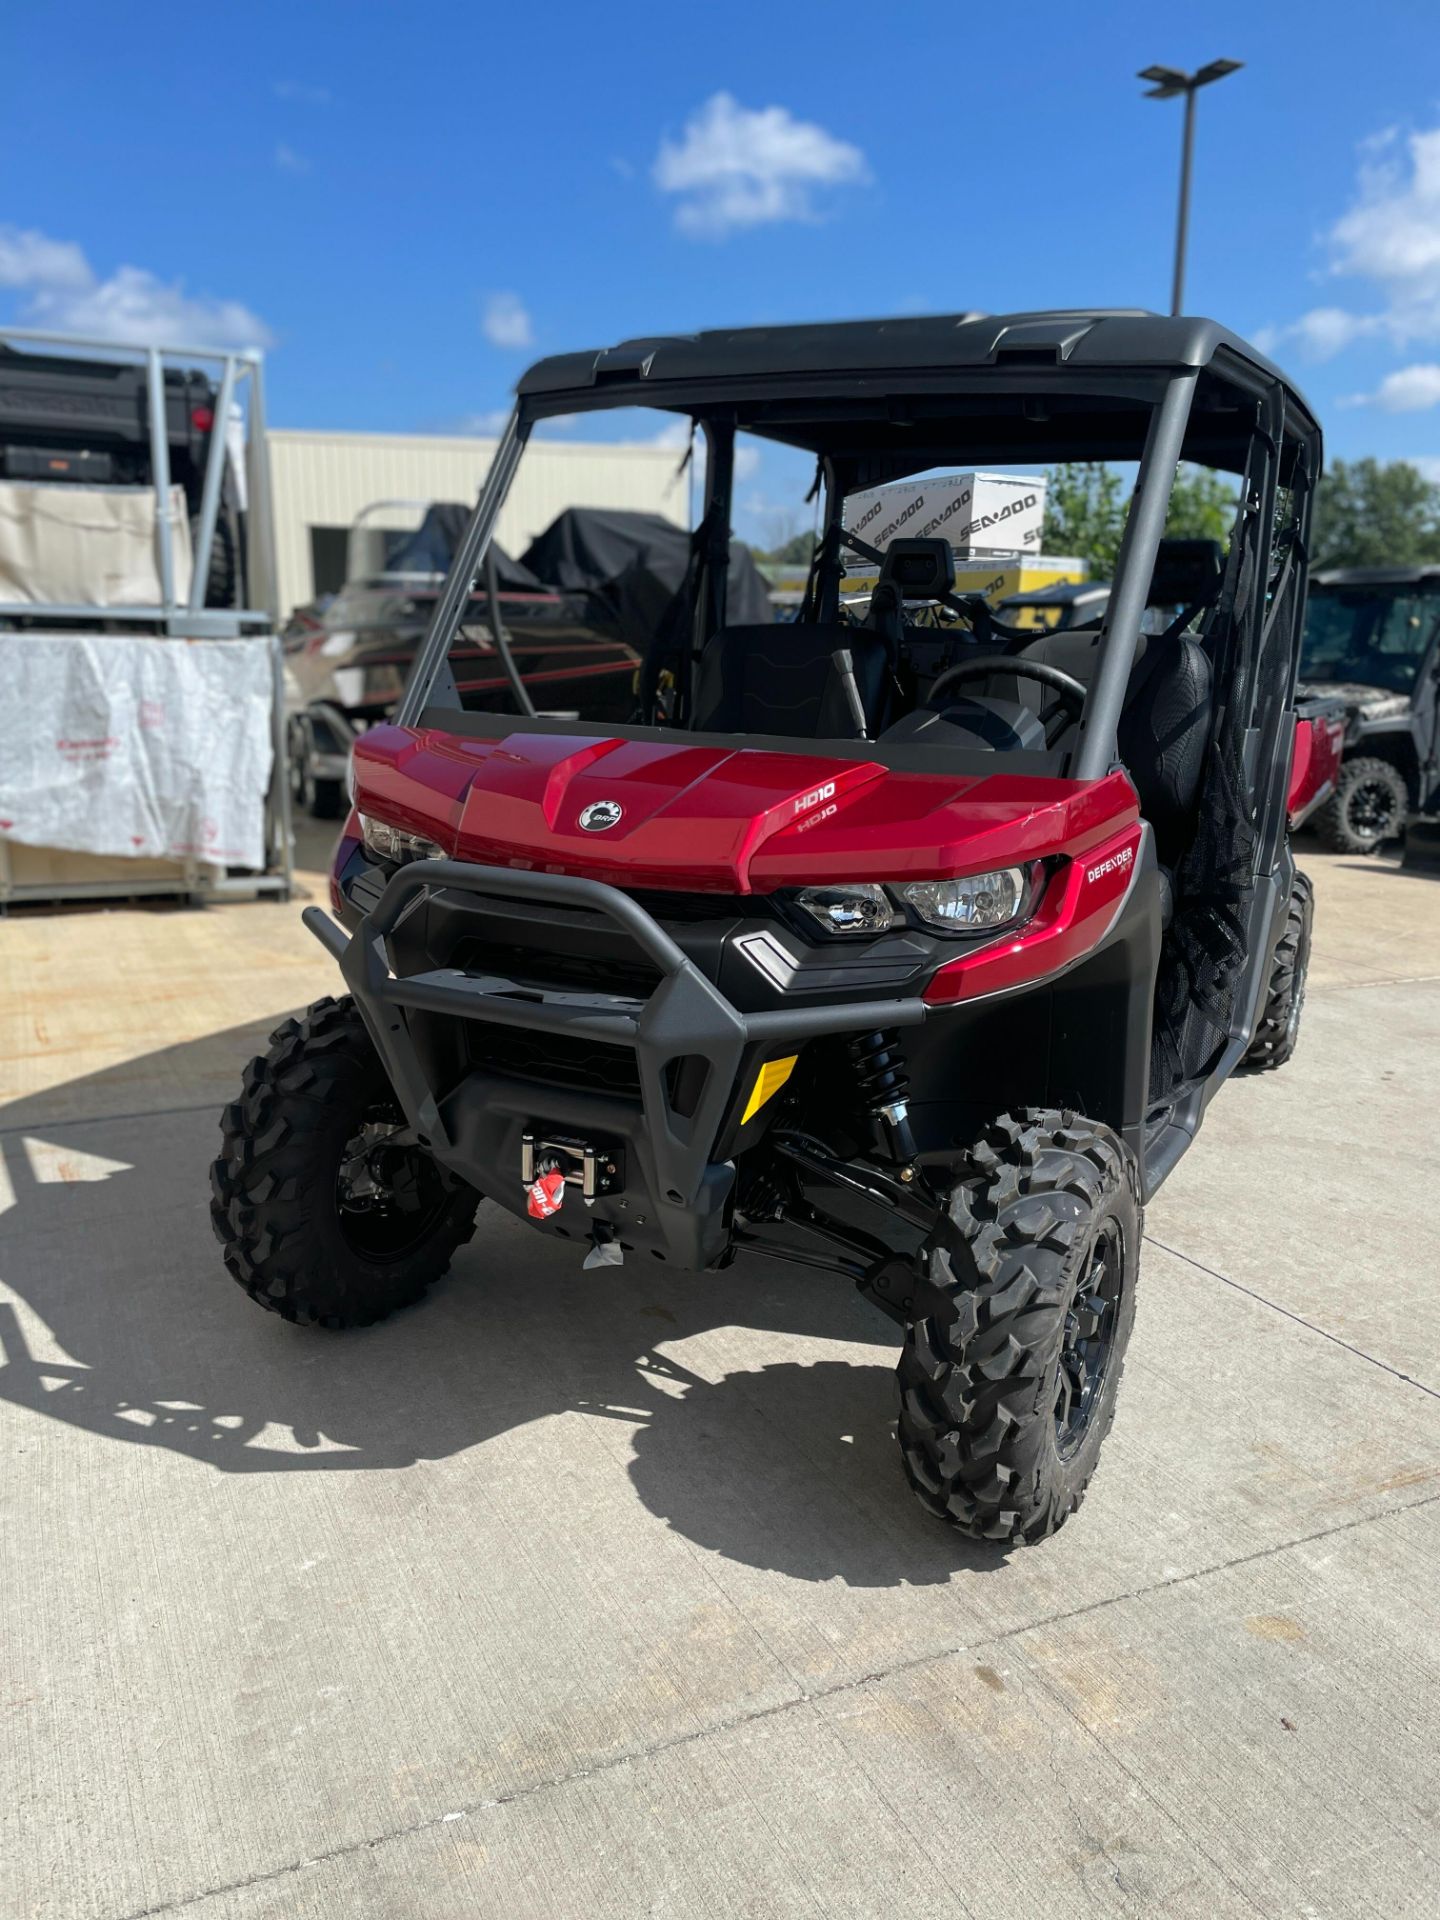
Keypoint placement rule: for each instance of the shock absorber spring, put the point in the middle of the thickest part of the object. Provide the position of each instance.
(884, 1087)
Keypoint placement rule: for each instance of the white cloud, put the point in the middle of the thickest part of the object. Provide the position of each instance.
(1321, 333)
(1410, 390)
(1390, 237)
(1429, 466)
(505, 321)
(31, 259)
(739, 167)
(61, 291)
(288, 160)
(1392, 233)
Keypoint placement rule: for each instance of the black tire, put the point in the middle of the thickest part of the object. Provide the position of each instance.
(1367, 808)
(321, 799)
(220, 574)
(324, 799)
(298, 1237)
(1279, 1026)
(1034, 1266)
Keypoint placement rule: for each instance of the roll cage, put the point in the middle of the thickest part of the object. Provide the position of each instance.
(877, 401)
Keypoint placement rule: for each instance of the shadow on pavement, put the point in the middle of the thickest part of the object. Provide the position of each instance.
(786, 1466)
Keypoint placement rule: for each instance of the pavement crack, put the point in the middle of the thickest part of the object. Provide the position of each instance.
(1299, 1318)
(810, 1697)
(41, 1125)
(1361, 986)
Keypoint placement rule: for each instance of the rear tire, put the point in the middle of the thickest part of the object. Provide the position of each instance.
(1279, 1027)
(321, 799)
(221, 574)
(1367, 808)
(1008, 1378)
(323, 1220)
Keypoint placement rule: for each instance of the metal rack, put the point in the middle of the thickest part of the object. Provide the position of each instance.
(240, 371)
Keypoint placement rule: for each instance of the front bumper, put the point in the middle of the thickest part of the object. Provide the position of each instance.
(677, 1202)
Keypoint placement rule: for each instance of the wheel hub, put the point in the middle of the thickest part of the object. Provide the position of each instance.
(1372, 809)
(1088, 1338)
(388, 1188)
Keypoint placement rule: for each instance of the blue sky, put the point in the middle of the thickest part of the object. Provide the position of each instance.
(407, 203)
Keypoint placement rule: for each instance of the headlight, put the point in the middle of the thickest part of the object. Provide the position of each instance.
(393, 844)
(970, 905)
(976, 903)
(849, 907)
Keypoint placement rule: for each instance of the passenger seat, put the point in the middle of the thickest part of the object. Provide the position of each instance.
(1164, 724)
(781, 679)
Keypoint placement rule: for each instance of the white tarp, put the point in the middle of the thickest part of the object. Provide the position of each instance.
(71, 546)
(132, 745)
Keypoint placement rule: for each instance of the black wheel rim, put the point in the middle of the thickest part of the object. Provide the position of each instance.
(1089, 1338)
(390, 1193)
(1372, 809)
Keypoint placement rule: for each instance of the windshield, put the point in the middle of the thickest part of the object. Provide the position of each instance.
(809, 578)
(1369, 635)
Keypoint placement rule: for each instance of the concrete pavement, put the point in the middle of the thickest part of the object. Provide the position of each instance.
(602, 1595)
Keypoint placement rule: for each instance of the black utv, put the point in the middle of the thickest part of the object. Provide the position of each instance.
(1372, 638)
(65, 420)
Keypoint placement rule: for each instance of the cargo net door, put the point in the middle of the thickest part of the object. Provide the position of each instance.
(1250, 636)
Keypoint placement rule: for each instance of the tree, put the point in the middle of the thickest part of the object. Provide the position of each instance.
(1373, 515)
(1202, 505)
(794, 552)
(1085, 514)
(1087, 501)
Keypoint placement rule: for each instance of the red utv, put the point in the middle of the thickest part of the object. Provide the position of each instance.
(911, 950)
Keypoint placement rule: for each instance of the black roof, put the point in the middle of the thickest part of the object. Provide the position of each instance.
(1122, 337)
(868, 392)
(1376, 577)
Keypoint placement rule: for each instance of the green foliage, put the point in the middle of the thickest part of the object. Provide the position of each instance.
(1087, 501)
(1202, 505)
(1369, 514)
(1085, 514)
(795, 552)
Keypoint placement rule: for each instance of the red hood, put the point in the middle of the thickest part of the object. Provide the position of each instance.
(722, 819)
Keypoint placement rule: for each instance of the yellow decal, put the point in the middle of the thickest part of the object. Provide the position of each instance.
(771, 1077)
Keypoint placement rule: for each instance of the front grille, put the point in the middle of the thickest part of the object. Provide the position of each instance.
(528, 966)
(555, 1060)
(694, 908)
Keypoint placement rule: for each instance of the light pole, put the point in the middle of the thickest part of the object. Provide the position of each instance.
(1168, 82)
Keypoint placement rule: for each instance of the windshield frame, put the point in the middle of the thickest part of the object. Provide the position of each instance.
(855, 405)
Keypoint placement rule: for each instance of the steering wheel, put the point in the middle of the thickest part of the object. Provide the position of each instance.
(1070, 690)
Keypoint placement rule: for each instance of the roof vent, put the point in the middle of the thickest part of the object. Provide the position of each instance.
(1039, 343)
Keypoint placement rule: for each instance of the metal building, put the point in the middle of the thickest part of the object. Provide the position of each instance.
(320, 481)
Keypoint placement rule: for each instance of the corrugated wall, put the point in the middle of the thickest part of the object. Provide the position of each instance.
(324, 479)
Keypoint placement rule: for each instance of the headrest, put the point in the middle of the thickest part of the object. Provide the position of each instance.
(1187, 573)
(919, 569)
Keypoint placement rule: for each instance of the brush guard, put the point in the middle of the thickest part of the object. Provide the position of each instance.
(686, 1190)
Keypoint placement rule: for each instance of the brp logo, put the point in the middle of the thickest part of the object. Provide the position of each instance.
(600, 814)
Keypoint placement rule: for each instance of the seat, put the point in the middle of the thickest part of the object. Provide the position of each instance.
(782, 679)
(1164, 724)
